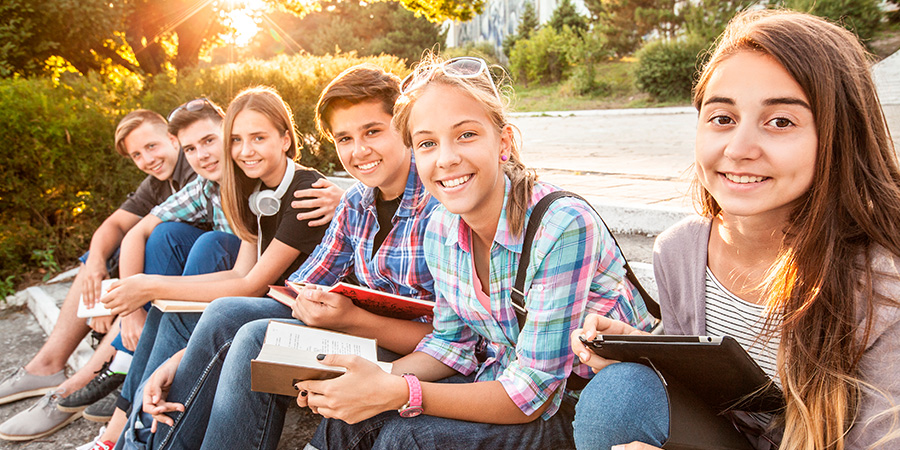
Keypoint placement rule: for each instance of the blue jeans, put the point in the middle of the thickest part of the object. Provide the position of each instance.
(234, 327)
(390, 431)
(624, 402)
(174, 249)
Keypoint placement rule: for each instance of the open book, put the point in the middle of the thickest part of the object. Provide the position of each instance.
(99, 309)
(377, 302)
(289, 352)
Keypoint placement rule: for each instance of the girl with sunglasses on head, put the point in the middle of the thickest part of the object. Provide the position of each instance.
(468, 159)
(259, 180)
(797, 251)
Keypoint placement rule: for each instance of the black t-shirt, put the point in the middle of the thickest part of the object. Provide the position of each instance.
(385, 209)
(285, 227)
(152, 191)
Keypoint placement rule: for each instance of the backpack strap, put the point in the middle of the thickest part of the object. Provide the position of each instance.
(534, 221)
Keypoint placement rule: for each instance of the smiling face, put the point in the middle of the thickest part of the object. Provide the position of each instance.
(258, 148)
(153, 150)
(458, 152)
(369, 148)
(756, 137)
(202, 145)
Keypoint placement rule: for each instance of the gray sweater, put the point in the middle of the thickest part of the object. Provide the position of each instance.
(679, 262)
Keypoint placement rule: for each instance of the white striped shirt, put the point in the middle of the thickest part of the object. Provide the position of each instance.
(729, 315)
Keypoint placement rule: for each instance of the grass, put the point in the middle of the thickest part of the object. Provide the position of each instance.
(615, 89)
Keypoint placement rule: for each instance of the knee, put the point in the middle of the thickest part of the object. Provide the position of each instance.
(250, 337)
(164, 233)
(624, 402)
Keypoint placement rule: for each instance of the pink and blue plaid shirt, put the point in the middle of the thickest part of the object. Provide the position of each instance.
(398, 266)
(575, 268)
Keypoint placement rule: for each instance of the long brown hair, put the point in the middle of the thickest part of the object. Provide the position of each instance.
(852, 208)
(236, 185)
(521, 177)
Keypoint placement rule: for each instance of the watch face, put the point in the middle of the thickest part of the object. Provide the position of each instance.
(412, 411)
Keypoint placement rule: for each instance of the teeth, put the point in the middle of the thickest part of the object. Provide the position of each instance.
(251, 163)
(369, 165)
(744, 179)
(157, 167)
(456, 181)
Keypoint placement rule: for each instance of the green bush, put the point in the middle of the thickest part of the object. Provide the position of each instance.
(60, 175)
(666, 69)
(862, 17)
(547, 56)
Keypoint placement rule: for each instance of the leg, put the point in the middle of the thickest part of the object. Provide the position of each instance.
(65, 336)
(168, 247)
(214, 251)
(198, 373)
(388, 430)
(624, 402)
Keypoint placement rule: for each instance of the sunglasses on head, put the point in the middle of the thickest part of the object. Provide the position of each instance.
(192, 106)
(462, 67)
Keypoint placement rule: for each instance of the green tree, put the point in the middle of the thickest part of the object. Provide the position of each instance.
(706, 19)
(528, 24)
(862, 17)
(143, 36)
(566, 15)
(625, 23)
(367, 29)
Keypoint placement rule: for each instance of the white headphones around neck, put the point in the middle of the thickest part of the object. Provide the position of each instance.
(268, 202)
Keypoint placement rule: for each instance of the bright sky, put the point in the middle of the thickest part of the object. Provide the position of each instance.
(244, 18)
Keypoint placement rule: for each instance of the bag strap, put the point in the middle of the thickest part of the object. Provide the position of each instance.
(534, 221)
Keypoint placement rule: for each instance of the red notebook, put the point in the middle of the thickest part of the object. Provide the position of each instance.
(377, 302)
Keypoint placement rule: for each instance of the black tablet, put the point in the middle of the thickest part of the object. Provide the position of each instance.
(716, 369)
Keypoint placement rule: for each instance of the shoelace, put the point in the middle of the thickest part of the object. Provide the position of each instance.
(15, 375)
(102, 374)
(49, 399)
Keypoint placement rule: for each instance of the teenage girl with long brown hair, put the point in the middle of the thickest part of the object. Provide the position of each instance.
(798, 247)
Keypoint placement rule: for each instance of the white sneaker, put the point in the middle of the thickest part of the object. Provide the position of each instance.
(96, 444)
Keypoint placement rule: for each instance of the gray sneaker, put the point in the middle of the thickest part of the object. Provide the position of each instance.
(21, 384)
(41, 419)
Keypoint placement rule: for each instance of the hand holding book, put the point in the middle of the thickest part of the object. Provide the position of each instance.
(342, 398)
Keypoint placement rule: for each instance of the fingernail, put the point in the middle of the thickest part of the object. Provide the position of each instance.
(303, 393)
(320, 356)
(308, 294)
(583, 356)
(296, 388)
(618, 447)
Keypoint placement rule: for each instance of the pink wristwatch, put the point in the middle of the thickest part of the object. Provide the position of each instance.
(413, 407)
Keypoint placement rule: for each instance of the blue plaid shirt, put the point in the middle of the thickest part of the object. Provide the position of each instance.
(192, 205)
(399, 264)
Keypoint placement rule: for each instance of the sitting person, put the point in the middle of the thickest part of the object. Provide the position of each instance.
(140, 135)
(375, 238)
(513, 396)
(259, 177)
(797, 252)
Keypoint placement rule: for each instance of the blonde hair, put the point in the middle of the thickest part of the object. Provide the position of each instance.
(482, 90)
(851, 209)
(236, 185)
(132, 121)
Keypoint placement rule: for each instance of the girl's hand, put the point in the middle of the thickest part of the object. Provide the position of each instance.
(318, 308)
(635, 446)
(595, 324)
(322, 200)
(155, 391)
(129, 294)
(363, 392)
(132, 327)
